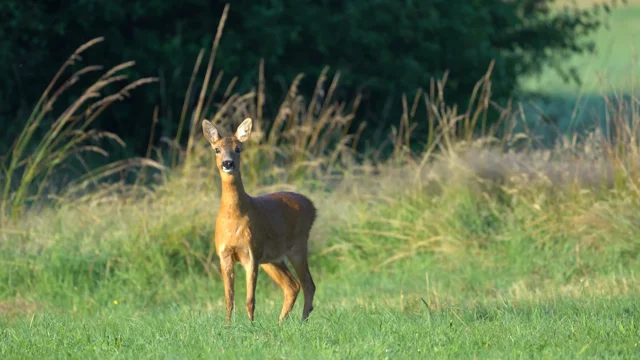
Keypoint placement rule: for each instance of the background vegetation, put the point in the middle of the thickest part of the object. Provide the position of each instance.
(487, 241)
(362, 40)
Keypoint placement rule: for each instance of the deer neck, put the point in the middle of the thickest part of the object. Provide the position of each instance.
(234, 198)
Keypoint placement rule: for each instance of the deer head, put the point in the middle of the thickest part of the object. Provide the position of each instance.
(227, 148)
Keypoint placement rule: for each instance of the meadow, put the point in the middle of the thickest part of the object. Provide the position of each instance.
(481, 245)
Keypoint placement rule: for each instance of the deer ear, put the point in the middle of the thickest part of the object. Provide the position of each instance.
(210, 131)
(244, 130)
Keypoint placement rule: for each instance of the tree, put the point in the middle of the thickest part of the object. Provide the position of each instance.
(382, 47)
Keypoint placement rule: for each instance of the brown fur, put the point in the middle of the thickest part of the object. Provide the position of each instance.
(262, 230)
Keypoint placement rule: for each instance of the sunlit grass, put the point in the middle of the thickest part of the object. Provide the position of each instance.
(600, 328)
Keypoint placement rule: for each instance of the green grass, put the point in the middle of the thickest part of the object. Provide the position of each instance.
(476, 276)
(603, 328)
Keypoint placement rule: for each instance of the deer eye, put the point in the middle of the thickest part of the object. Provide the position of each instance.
(217, 150)
(238, 149)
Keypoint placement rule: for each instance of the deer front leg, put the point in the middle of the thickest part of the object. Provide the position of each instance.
(251, 269)
(228, 275)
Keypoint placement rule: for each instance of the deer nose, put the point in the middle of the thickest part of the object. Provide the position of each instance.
(227, 164)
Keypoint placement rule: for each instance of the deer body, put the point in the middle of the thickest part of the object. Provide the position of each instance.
(260, 231)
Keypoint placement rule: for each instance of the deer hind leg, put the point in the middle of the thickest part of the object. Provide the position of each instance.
(228, 275)
(281, 274)
(301, 266)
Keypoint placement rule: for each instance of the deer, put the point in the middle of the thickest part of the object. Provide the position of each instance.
(261, 230)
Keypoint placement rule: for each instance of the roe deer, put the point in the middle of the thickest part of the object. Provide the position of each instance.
(260, 230)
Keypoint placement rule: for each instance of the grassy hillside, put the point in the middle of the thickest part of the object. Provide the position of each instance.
(562, 107)
(614, 62)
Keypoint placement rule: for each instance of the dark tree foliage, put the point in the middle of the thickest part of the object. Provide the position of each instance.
(383, 48)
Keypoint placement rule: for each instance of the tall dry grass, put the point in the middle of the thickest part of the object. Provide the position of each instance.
(33, 158)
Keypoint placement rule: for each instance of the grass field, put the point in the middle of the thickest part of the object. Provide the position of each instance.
(473, 276)
(568, 329)
(475, 248)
